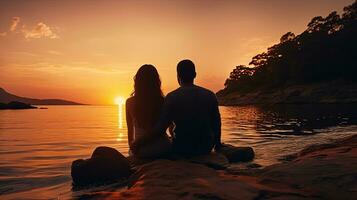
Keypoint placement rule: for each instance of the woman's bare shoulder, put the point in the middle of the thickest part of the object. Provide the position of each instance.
(129, 102)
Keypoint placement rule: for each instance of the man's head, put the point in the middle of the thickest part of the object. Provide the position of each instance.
(186, 72)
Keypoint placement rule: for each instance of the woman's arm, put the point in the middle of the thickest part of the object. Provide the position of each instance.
(129, 123)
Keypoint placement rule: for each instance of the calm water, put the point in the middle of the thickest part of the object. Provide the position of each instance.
(38, 146)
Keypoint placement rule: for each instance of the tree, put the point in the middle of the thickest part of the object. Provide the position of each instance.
(287, 37)
(325, 51)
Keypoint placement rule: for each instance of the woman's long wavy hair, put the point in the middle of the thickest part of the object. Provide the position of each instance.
(148, 96)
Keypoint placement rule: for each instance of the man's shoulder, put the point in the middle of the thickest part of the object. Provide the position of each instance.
(173, 93)
(206, 91)
(183, 91)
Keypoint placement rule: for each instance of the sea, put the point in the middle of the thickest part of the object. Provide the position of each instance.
(37, 146)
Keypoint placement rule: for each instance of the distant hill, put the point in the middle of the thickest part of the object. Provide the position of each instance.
(6, 97)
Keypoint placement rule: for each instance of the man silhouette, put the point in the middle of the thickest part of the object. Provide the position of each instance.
(194, 112)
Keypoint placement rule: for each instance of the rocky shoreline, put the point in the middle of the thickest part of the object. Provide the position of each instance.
(319, 93)
(317, 172)
(15, 105)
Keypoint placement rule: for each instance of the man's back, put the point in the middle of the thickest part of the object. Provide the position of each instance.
(194, 110)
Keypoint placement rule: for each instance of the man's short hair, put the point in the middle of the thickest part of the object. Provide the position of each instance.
(186, 71)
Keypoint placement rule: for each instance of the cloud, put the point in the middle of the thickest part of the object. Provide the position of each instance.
(41, 30)
(14, 22)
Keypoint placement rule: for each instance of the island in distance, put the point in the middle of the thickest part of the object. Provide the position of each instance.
(15, 105)
(6, 98)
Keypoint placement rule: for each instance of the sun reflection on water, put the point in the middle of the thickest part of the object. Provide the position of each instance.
(120, 116)
(120, 123)
(120, 101)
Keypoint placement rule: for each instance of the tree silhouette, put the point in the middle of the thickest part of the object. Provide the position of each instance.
(325, 51)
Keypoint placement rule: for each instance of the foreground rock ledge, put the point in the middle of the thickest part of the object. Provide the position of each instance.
(319, 172)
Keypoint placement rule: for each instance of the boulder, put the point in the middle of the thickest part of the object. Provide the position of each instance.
(237, 154)
(105, 165)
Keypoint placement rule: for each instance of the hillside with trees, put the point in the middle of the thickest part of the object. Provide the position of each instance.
(322, 59)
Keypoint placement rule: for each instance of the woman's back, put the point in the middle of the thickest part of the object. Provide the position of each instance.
(144, 113)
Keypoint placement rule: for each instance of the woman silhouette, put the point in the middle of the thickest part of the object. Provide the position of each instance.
(143, 110)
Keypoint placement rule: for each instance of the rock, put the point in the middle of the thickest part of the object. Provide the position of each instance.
(237, 154)
(254, 165)
(320, 172)
(14, 105)
(165, 179)
(327, 170)
(105, 165)
(212, 160)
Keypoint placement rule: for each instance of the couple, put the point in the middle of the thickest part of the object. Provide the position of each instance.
(190, 113)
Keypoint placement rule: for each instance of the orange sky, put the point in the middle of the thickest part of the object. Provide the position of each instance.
(89, 51)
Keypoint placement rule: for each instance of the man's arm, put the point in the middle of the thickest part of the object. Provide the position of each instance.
(216, 124)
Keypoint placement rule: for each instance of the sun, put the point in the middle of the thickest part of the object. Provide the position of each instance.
(119, 101)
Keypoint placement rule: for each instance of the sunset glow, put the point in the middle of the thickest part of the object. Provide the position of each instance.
(130, 99)
(119, 101)
(63, 49)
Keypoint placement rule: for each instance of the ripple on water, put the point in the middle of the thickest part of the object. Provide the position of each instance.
(37, 148)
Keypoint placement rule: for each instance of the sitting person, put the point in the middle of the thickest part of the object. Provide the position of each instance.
(195, 114)
(143, 109)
